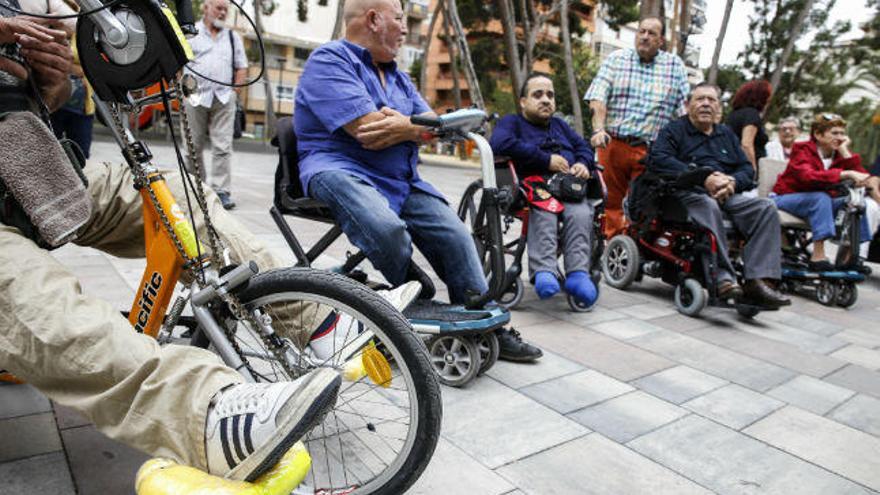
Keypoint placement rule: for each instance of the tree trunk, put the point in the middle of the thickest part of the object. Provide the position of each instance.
(426, 45)
(789, 46)
(339, 23)
(684, 27)
(569, 68)
(453, 66)
(470, 72)
(271, 119)
(508, 23)
(719, 42)
(651, 8)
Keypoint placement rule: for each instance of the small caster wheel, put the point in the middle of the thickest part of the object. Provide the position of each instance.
(826, 293)
(847, 294)
(579, 307)
(455, 359)
(513, 296)
(690, 297)
(490, 349)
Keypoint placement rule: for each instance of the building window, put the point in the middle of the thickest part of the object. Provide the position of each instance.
(284, 93)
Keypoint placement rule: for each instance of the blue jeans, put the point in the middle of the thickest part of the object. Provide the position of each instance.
(818, 209)
(73, 126)
(386, 238)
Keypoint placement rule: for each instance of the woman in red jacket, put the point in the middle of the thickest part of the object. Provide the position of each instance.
(803, 189)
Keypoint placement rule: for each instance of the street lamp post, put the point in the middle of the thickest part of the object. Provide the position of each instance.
(280, 61)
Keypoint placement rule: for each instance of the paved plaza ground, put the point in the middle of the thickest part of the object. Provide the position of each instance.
(631, 398)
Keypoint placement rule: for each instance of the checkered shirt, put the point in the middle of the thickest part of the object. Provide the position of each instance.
(641, 98)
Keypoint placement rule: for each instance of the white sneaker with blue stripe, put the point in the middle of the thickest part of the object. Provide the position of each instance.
(251, 425)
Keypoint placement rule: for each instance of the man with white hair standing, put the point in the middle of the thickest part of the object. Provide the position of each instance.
(358, 153)
(219, 55)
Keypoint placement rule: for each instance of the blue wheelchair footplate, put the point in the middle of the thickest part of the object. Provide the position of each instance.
(803, 274)
(435, 318)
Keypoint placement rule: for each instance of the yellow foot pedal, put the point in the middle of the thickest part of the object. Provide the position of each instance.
(165, 477)
(370, 362)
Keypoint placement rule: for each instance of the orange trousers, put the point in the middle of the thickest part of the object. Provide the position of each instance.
(621, 162)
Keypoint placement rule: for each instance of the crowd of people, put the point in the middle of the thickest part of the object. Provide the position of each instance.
(358, 153)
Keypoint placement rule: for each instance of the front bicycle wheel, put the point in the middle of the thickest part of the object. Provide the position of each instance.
(383, 429)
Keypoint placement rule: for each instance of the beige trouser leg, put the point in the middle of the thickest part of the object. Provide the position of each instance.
(214, 124)
(82, 353)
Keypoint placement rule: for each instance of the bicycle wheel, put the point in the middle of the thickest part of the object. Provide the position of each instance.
(382, 432)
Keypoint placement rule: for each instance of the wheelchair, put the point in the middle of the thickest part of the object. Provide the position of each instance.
(512, 206)
(836, 287)
(661, 242)
(460, 339)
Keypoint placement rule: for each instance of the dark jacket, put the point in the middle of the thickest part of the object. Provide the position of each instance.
(805, 171)
(530, 146)
(681, 146)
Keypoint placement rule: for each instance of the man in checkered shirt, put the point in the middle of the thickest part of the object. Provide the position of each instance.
(635, 93)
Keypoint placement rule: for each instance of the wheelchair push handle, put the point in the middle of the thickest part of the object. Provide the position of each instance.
(425, 121)
(459, 122)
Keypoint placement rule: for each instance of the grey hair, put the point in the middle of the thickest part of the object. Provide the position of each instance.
(791, 118)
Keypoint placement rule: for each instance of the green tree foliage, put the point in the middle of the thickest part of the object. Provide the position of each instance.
(621, 12)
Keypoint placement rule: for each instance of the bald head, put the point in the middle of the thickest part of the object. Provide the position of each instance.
(377, 25)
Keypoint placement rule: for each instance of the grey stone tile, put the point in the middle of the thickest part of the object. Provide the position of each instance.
(679, 384)
(811, 394)
(26, 436)
(453, 471)
(625, 329)
(714, 360)
(772, 351)
(729, 462)
(868, 358)
(857, 378)
(45, 473)
(21, 400)
(572, 392)
(518, 375)
(602, 467)
(628, 416)
(98, 464)
(594, 350)
(840, 449)
(497, 425)
(69, 418)
(592, 317)
(613, 298)
(648, 311)
(525, 317)
(679, 323)
(861, 412)
(733, 406)
(865, 337)
(798, 320)
(802, 339)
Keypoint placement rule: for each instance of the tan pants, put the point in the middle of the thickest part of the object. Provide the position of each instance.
(214, 124)
(82, 353)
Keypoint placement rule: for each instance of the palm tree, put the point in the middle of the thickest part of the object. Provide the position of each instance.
(719, 42)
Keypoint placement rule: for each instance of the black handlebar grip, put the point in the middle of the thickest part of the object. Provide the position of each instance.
(185, 17)
(426, 121)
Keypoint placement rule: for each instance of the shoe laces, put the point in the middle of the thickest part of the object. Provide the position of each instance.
(514, 333)
(240, 401)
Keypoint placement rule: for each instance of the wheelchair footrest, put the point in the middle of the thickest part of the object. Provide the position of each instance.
(804, 274)
(435, 318)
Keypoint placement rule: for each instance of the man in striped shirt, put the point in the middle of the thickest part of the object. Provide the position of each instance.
(635, 93)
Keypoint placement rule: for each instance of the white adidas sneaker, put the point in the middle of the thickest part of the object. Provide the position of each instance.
(251, 425)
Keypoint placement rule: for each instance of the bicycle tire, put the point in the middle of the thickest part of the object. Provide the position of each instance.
(392, 330)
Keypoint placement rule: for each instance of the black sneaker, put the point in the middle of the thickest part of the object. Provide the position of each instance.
(514, 349)
(226, 201)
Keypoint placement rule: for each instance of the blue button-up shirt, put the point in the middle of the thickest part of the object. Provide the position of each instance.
(680, 144)
(530, 146)
(339, 84)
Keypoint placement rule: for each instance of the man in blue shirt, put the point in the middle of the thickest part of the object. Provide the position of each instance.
(542, 145)
(358, 152)
(696, 141)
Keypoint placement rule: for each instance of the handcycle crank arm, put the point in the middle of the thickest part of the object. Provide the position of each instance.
(217, 336)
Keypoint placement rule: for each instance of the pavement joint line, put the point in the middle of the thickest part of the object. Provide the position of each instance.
(838, 406)
(609, 399)
(551, 447)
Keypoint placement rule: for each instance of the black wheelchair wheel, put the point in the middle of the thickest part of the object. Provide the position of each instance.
(514, 294)
(620, 262)
(455, 358)
(490, 349)
(847, 294)
(826, 293)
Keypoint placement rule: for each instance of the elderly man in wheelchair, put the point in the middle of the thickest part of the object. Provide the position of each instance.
(358, 153)
(696, 142)
(545, 151)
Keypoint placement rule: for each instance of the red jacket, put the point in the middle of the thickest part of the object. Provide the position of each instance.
(805, 171)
